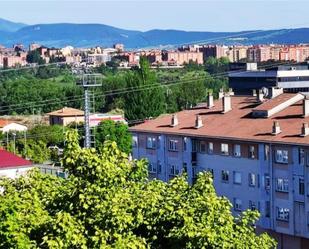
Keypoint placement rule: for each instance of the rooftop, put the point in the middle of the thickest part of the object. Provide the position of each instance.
(67, 112)
(237, 124)
(9, 160)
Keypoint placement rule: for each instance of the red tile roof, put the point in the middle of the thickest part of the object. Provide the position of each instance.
(9, 160)
(237, 124)
(67, 112)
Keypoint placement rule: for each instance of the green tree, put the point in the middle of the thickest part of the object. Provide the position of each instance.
(145, 97)
(109, 130)
(35, 57)
(107, 202)
(215, 66)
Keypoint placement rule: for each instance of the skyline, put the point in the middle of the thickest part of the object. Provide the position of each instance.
(181, 15)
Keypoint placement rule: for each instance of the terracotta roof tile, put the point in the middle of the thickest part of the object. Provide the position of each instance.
(237, 124)
(67, 112)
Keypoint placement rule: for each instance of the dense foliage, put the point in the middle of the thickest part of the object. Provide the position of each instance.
(109, 130)
(107, 202)
(140, 92)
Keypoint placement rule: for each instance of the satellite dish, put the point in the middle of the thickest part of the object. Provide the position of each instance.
(265, 91)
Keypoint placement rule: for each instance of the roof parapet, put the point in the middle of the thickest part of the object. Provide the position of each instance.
(221, 93)
(260, 96)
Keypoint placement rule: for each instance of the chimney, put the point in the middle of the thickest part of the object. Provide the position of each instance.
(276, 128)
(275, 91)
(174, 121)
(231, 92)
(210, 100)
(226, 103)
(221, 93)
(305, 130)
(198, 122)
(306, 106)
(254, 93)
(260, 96)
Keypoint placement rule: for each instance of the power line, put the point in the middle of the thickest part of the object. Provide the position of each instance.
(129, 89)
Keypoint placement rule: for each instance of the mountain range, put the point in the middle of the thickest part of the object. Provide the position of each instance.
(89, 35)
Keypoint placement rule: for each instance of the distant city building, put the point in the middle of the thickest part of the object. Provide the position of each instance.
(66, 116)
(290, 78)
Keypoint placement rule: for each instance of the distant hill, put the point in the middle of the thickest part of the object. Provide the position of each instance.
(89, 35)
(9, 26)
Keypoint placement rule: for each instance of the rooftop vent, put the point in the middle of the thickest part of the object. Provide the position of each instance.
(210, 100)
(306, 106)
(276, 128)
(260, 96)
(305, 130)
(226, 103)
(231, 92)
(198, 122)
(174, 121)
(254, 93)
(221, 93)
(275, 91)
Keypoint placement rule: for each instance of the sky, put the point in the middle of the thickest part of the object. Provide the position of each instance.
(194, 15)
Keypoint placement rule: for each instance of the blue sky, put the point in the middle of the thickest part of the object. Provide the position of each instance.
(199, 15)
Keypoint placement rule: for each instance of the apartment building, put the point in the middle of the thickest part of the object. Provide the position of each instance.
(256, 148)
(290, 78)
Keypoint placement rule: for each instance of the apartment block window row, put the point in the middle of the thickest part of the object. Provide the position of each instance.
(152, 168)
(281, 156)
(151, 143)
(237, 177)
(225, 149)
(173, 145)
(237, 204)
(134, 141)
(174, 170)
(283, 214)
(252, 179)
(282, 185)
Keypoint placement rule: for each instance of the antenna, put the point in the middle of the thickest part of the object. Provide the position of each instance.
(89, 81)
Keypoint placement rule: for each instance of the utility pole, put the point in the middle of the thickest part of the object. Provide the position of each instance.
(89, 81)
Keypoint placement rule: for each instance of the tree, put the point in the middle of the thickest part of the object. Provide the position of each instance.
(35, 57)
(145, 97)
(107, 202)
(109, 130)
(215, 66)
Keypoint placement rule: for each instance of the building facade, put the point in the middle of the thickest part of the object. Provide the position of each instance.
(258, 163)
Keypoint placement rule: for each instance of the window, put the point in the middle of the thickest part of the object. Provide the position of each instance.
(159, 168)
(267, 209)
(251, 152)
(152, 168)
(194, 145)
(210, 148)
(237, 177)
(174, 170)
(282, 156)
(151, 142)
(266, 152)
(252, 180)
(225, 175)
(301, 186)
(224, 149)
(237, 204)
(283, 214)
(307, 159)
(185, 167)
(172, 145)
(194, 173)
(202, 147)
(185, 144)
(301, 154)
(267, 181)
(253, 206)
(282, 185)
(134, 141)
(237, 152)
